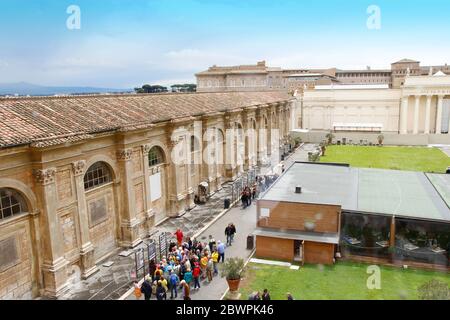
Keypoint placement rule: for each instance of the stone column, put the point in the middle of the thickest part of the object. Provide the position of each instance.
(439, 115)
(416, 115)
(54, 264)
(404, 116)
(150, 215)
(428, 114)
(129, 223)
(87, 262)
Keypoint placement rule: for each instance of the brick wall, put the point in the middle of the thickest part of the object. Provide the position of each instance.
(294, 216)
(273, 248)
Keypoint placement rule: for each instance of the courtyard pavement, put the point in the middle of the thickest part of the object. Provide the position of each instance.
(113, 281)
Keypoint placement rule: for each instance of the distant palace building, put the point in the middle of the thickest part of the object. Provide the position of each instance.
(406, 100)
(262, 77)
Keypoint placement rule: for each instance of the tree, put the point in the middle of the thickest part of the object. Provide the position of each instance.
(187, 87)
(434, 290)
(146, 88)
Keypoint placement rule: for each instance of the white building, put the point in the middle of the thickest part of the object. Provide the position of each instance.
(421, 106)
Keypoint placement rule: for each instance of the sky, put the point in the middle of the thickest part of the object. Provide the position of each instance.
(126, 43)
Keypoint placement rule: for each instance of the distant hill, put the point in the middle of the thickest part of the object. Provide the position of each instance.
(24, 89)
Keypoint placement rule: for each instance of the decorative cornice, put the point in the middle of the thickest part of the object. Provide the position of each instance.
(125, 154)
(45, 176)
(79, 167)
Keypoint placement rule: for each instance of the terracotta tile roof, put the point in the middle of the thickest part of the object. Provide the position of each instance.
(54, 120)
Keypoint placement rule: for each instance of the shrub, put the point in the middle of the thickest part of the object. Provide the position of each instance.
(232, 268)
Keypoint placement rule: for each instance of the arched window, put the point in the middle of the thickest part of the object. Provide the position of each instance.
(97, 175)
(155, 157)
(11, 203)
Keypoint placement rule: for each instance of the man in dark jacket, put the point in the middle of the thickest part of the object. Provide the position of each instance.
(228, 234)
(146, 288)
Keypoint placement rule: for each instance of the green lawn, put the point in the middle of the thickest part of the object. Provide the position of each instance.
(386, 157)
(343, 281)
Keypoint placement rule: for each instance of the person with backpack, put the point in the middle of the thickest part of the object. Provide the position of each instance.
(209, 269)
(160, 292)
(146, 288)
(188, 276)
(186, 290)
(173, 284)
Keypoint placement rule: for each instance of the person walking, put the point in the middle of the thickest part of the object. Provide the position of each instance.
(186, 290)
(221, 251)
(179, 235)
(228, 234)
(254, 191)
(173, 283)
(265, 295)
(215, 260)
(146, 288)
(196, 274)
(233, 231)
(289, 296)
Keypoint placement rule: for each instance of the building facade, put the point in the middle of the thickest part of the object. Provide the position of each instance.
(262, 77)
(82, 176)
(420, 107)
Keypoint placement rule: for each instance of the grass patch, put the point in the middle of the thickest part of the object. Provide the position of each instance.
(342, 281)
(395, 158)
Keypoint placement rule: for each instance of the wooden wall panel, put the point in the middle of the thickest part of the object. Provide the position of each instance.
(273, 248)
(294, 216)
(315, 252)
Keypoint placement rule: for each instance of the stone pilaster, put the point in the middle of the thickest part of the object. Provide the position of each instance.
(129, 224)
(87, 262)
(150, 215)
(176, 196)
(53, 262)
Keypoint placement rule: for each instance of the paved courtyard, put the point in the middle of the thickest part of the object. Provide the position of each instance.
(113, 281)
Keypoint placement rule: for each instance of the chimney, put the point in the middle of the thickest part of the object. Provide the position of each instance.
(298, 189)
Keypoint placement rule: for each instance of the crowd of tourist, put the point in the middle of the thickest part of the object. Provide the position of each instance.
(187, 264)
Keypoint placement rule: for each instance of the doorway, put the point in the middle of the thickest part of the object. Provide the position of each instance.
(298, 250)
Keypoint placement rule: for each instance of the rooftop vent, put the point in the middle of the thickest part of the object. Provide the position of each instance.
(298, 189)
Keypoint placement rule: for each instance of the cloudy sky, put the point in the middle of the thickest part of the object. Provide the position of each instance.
(125, 43)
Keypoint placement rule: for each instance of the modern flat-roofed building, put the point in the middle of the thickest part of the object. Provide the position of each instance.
(314, 211)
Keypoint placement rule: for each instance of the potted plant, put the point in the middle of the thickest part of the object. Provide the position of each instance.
(330, 137)
(233, 269)
(380, 139)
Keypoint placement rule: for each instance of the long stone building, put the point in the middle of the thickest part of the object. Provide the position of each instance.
(262, 77)
(82, 176)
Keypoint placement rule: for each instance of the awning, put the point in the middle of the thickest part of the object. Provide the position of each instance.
(298, 235)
